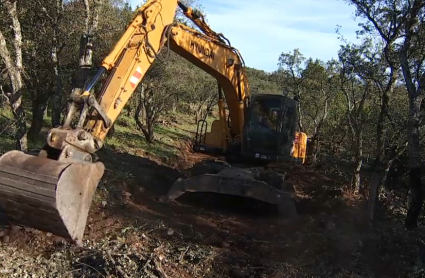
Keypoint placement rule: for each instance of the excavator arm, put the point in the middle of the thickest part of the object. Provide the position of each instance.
(53, 191)
(198, 19)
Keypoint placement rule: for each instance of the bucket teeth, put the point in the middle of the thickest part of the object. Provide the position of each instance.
(48, 195)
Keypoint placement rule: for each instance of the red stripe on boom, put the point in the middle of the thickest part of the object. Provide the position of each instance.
(137, 74)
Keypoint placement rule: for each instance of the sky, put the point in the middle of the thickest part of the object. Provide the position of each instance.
(263, 29)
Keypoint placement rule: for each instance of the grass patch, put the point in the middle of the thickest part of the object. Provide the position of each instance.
(6, 145)
(126, 138)
(8, 128)
(131, 142)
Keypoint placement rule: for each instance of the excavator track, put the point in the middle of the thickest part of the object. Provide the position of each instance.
(48, 195)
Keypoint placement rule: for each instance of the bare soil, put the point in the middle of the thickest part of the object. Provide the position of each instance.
(131, 234)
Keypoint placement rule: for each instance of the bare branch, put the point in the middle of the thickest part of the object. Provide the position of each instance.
(87, 18)
(4, 95)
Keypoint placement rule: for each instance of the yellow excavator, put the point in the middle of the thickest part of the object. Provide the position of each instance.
(53, 190)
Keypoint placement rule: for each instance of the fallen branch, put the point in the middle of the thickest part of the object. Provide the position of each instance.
(4, 95)
(80, 263)
(183, 253)
(118, 267)
(159, 269)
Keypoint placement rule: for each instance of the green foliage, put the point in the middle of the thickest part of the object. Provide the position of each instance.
(261, 82)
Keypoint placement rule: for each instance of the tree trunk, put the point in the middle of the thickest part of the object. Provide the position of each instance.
(19, 113)
(373, 193)
(314, 149)
(144, 108)
(379, 154)
(149, 134)
(139, 110)
(57, 93)
(57, 96)
(147, 129)
(380, 169)
(14, 68)
(358, 160)
(355, 183)
(300, 114)
(415, 93)
(416, 200)
(197, 115)
(56, 109)
(39, 106)
(357, 147)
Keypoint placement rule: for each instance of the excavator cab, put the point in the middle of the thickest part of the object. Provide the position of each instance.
(270, 130)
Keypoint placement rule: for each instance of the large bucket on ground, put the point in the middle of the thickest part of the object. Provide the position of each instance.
(48, 195)
(237, 182)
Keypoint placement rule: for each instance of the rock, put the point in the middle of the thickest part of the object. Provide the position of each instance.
(170, 232)
(276, 274)
(237, 272)
(126, 194)
(104, 203)
(58, 240)
(16, 229)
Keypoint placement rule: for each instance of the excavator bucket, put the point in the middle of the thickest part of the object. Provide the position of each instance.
(48, 195)
(237, 182)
